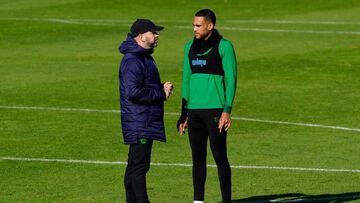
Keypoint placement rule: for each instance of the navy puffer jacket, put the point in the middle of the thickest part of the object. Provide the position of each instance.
(141, 94)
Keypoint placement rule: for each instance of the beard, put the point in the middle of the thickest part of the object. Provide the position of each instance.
(153, 45)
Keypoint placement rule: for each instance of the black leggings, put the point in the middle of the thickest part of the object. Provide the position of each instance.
(203, 123)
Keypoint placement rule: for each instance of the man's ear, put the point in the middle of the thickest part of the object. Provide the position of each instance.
(210, 26)
(142, 37)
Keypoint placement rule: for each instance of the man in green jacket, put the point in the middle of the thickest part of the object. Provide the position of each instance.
(208, 91)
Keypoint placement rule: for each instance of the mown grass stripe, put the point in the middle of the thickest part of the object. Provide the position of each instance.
(177, 164)
(176, 114)
(128, 22)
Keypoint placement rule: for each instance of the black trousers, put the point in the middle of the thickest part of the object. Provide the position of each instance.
(135, 175)
(203, 124)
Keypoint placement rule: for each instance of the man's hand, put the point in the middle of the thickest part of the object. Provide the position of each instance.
(224, 121)
(182, 127)
(168, 88)
(182, 124)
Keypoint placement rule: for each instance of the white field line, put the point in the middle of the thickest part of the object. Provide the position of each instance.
(176, 114)
(298, 124)
(59, 109)
(310, 198)
(73, 21)
(177, 164)
(291, 22)
(282, 30)
(128, 23)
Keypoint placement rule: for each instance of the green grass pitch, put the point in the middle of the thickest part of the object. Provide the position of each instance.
(296, 127)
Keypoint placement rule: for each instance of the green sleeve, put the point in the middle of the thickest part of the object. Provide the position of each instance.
(185, 86)
(229, 63)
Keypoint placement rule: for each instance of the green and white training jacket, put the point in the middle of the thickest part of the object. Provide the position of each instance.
(209, 78)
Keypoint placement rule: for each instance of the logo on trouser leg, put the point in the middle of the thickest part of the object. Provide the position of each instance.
(142, 140)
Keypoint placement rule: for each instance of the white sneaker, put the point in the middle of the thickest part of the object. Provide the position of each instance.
(195, 201)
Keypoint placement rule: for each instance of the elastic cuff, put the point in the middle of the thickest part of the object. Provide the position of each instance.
(227, 109)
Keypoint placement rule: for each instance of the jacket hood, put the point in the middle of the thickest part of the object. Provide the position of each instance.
(130, 46)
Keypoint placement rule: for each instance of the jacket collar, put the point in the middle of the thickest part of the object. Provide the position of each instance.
(201, 45)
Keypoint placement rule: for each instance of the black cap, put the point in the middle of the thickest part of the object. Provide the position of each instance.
(141, 26)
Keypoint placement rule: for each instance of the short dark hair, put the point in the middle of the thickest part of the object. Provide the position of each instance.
(208, 14)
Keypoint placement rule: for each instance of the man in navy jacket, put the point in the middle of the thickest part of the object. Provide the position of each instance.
(142, 97)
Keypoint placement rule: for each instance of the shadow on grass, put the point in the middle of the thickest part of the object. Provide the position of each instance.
(299, 197)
